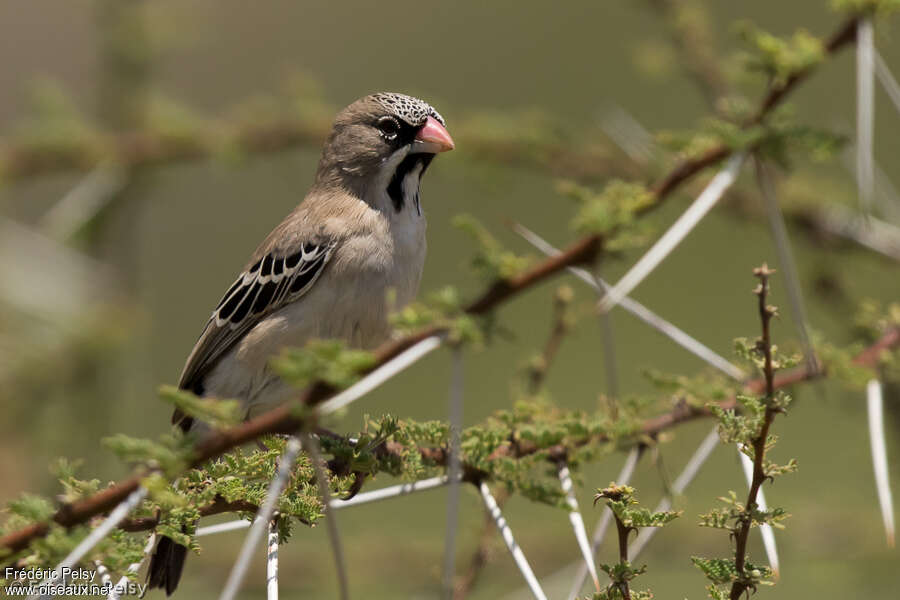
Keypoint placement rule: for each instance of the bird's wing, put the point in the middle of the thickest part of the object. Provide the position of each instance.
(276, 278)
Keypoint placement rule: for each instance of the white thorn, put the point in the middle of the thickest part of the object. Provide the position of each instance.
(675, 234)
(115, 517)
(865, 112)
(386, 493)
(565, 479)
(393, 491)
(272, 561)
(640, 311)
(701, 454)
(514, 549)
(312, 446)
(765, 530)
(875, 405)
(624, 477)
(787, 263)
(121, 585)
(380, 375)
(887, 79)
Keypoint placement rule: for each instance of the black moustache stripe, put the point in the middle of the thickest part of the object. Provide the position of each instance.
(395, 187)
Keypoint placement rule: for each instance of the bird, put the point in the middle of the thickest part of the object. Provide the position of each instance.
(325, 272)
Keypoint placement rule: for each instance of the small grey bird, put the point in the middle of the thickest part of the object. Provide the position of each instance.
(325, 270)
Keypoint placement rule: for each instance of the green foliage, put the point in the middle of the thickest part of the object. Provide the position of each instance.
(873, 320)
(629, 516)
(778, 137)
(443, 309)
(610, 213)
(170, 454)
(491, 261)
(723, 571)
(781, 58)
(55, 127)
(31, 508)
(73, 487)
(620, 499)
(621, 575)
(175, 123)
(698, 390)
(215, 412)
(734, 513)
(329, 361)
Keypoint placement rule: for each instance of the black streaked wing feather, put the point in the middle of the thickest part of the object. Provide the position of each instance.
(272, 282)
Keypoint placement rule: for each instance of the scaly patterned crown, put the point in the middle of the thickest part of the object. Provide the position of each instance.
(412, 110)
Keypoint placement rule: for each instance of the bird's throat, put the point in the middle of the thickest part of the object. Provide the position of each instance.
(403, 188)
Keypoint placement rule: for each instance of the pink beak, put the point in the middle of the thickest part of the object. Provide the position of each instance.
(432, 138)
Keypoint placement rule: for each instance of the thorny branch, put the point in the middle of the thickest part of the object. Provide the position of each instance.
(764, 346)
(285, 419)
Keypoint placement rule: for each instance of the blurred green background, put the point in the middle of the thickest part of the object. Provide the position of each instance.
(128, 308)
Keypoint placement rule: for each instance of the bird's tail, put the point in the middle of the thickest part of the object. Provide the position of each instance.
(166, 565)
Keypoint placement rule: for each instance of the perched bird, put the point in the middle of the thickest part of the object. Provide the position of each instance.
(325, 270)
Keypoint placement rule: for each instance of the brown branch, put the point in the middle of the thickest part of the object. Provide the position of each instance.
(683, 413)
(216, 507)
(622, 532)
(540, 365)
(288, 419)
(211, 138)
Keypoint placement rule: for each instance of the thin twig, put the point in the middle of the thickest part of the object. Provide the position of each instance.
(759, 441)
(609, 356)
(540, 367)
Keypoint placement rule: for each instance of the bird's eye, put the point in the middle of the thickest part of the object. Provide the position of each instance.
(389, 127)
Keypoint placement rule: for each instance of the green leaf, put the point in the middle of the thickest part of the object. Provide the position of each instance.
(491, 260)
(329, 361)
(215, 412)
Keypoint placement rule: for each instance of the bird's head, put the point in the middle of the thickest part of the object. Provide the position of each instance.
(379, 143)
